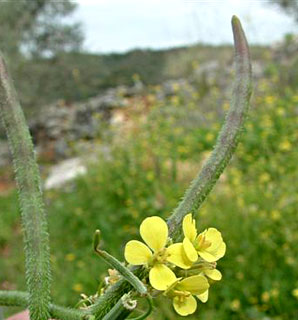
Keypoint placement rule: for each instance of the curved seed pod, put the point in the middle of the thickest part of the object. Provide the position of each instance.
(228, 137)
(34, 222)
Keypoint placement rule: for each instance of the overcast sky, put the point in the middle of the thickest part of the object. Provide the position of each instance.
(121, 25)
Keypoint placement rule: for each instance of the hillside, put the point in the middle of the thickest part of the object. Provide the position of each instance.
(78, 76)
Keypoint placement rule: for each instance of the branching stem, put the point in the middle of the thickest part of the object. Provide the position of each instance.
(21, 299)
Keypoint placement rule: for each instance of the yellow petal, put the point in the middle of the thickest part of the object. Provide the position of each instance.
(194, 284)
(207, 256)
(161, 277)
(204, 296)
(186, 306)
(190, 250)
(137, 253)
(189, 227)
(154, 232)
(213, 274)
(213, 236)
(214, 255)
(217, 248)
(221, 251)
(177, 256)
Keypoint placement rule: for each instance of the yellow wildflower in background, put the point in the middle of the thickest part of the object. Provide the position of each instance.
(295, 293)
(70, 257)
(77, 287)
(285, 145)
(265, 296)
(235, 305)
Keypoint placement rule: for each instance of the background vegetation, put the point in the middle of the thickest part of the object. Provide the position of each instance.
(153, 156)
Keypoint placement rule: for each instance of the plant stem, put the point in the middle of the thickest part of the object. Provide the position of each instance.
(34, 222)
(226, 144)
(21, 299)
(115, 312)
(124, 271)
(106, 301)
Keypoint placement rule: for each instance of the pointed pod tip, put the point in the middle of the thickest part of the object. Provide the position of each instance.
(240, 42)
(96, 239)
(236, 24)
(235, 19)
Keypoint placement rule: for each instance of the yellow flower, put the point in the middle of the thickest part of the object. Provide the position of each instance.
(265, 296)
(285, 145)
(208, 245)
(235, 305)
(154, 232)
(209, 137)
(77, 287)
(70, 257)
(182, 292)
(295, 293)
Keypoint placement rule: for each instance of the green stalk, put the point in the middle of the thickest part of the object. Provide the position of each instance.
(113, 294)
(115, 264)
(228, 137)
(116, 311)
(225, 147)
(124, 271)
(21, 299)
(34, 222)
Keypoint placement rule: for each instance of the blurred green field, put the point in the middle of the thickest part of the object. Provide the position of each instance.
(153, 159)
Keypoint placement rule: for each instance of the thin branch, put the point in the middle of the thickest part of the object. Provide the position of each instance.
(34, 222)
(20, 299)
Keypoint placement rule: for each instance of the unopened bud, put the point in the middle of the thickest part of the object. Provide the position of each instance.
(96, 239)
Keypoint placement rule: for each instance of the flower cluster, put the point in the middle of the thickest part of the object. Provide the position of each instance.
(183, 270)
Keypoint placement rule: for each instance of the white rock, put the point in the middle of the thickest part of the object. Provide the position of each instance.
(64, 172)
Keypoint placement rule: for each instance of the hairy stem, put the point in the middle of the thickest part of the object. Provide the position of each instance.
(227, 141)
(34, 222)
(21, 299)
